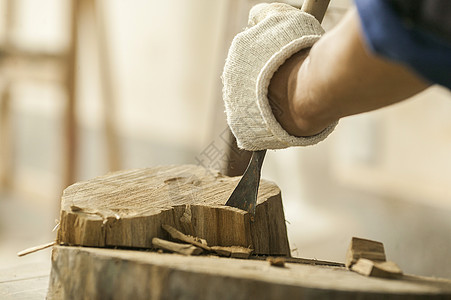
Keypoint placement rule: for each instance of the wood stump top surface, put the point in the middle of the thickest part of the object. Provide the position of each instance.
(129, 208)
(149, 191)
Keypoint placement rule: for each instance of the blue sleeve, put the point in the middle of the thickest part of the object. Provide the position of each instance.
(388, 36)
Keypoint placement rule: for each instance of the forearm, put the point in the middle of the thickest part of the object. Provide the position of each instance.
(340, 78)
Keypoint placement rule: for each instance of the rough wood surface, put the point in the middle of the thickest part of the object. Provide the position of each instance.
(185, 249)
(128, 209)
(92, 273)
(363, 248)
(386, 269)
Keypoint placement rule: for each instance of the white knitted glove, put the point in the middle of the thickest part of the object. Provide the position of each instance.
(276, 31)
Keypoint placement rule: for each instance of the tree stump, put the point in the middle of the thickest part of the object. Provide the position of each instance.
(93, 273)
(128, 208)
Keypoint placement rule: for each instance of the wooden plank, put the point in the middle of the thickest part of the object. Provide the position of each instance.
(93, 273)
(128, 209)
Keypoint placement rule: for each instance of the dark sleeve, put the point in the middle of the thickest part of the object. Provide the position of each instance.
(431, 15)
(404, 31)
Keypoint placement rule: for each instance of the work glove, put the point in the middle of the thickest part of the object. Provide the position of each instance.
(276, 31)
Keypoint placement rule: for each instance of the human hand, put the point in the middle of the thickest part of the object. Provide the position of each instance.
(276, 33)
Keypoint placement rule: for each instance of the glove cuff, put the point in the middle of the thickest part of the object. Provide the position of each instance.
(280, 138)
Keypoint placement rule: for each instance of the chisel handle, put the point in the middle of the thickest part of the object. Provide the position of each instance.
(316, 8)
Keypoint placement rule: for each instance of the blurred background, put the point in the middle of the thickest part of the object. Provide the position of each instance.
(91, 86)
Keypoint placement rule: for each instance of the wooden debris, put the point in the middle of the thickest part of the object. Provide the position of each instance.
(276, 261)
(128, 209)
(232, 251)
(386, 269)
(304, 261)
(175, 234)
(36, 249)
(185, 249)
(363, 248)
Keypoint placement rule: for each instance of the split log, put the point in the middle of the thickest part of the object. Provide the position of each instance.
(93, 273)
(128, 209)
(386, 269)
(363, 248)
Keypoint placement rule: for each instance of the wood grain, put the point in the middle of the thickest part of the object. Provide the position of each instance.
(386, 269)
(128, 209)
(363, 248)
(91, 273)
(185, 249)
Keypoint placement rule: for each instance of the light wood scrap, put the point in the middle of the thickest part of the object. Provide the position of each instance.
(185, 249)
(128, 208)
(95, 273)
(386, 269)
(232, 251)
(35, 249)
(363, 248)
(175, 234)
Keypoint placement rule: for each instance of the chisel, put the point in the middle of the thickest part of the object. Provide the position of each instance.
(244, 196)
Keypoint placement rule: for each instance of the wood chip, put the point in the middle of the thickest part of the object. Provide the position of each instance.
(363, 248)
(35, 249)
(386, 269)
(276, 261)
(185, 249)
(176, 234)
(232, 251)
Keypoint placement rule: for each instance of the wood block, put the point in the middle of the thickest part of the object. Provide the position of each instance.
(128, 209)
(94, 273)
(363, 248)
(386, 269)
(233, 251)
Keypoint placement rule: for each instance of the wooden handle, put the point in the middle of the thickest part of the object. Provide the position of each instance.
(316, 8)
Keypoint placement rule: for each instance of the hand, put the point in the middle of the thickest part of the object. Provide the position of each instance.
(276, 32)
